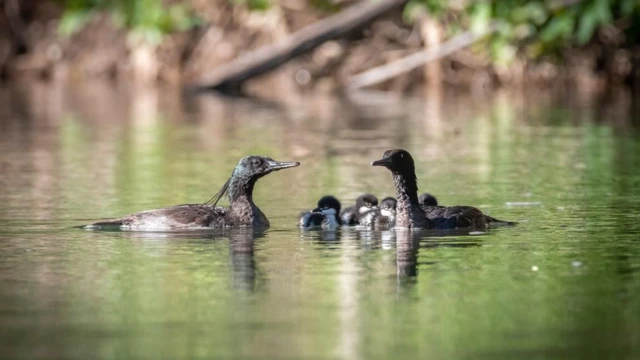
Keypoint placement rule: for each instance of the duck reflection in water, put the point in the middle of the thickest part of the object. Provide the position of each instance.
(410, 242)
(242, 252)
(407, 244)
(241, 243)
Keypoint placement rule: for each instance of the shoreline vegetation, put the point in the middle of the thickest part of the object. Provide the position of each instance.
(321, 45)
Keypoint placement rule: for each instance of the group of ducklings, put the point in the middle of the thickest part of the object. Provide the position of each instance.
(366, 212)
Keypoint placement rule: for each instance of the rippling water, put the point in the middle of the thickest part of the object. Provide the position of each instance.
(564, 284)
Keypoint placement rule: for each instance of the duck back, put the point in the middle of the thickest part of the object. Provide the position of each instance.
(172, 217)
(452, 217)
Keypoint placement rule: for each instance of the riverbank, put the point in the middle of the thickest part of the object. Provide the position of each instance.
(33, 47)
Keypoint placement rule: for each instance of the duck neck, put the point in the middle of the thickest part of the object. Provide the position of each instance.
(408, 211)
(242, 209)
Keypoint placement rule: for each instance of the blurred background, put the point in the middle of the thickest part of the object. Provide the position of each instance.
(591, 43)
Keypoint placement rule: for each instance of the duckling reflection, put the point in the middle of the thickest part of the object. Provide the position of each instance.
(327, 237)
(365, 238)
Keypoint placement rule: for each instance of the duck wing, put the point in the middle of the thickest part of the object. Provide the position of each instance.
(455, 217)
(172, 217)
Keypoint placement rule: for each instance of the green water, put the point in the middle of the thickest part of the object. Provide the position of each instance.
(563, 284)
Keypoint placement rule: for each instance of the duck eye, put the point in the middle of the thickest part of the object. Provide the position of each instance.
(257, 161)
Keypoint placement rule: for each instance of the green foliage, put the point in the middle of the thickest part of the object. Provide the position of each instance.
(327, 6)
(539, 27)
(259, 5)
(151, 19)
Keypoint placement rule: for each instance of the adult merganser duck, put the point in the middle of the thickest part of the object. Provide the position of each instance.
(242, 212)
(411, 214)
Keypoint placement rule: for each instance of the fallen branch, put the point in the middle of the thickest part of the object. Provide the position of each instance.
(229, 77)
(408, 63)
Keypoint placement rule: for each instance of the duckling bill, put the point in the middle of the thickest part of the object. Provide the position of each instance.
(242, 211)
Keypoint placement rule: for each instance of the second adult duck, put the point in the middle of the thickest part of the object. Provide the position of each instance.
(242, 211)
(410, 213)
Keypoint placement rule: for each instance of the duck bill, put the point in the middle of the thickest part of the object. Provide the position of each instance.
(279, 165)
(381, 162)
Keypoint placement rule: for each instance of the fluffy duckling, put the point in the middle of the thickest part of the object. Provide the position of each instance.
(325, 215)
(354, 215)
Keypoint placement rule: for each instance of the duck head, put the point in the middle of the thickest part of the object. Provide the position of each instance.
(397, 160)
(256, 167)
(244, 176)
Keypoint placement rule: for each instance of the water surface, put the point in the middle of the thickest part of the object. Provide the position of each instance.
(564, 284)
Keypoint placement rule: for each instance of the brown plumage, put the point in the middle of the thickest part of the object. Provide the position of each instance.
(451, 217)
(242, 211)
(175, 217)
(410, 213)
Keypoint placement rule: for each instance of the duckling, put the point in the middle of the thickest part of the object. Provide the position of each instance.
(410, 213)
(427, 199)
(325, 215)
(386, 214)
(242, 211)
(353, 215)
